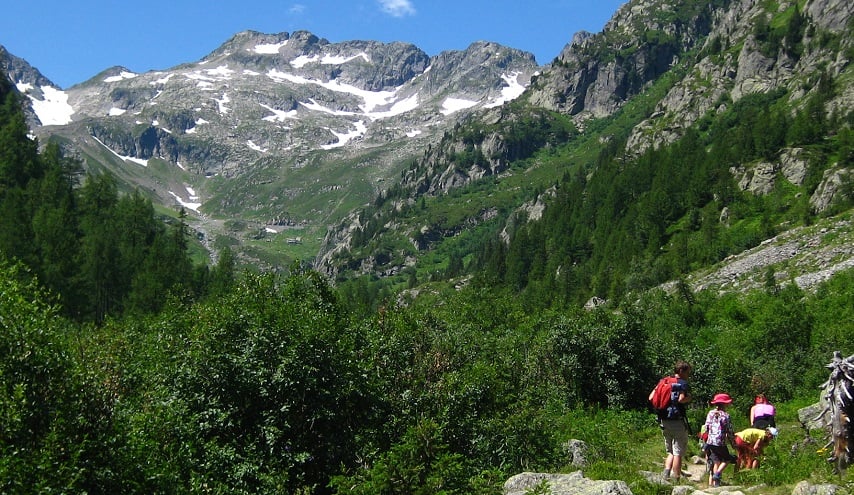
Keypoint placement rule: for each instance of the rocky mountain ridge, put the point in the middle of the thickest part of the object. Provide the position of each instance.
(700, 59)
(271, 126)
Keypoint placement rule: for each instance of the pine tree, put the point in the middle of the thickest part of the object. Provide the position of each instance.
(18, 153)
(54, 224)
(99, 277)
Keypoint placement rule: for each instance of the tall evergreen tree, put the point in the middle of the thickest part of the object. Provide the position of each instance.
(18, 153)
(54, 223)
(99, 276)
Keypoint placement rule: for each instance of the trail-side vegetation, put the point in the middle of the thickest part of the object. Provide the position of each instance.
(276, 387)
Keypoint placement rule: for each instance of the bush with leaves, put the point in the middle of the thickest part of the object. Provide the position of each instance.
(273, 392)
(420, 464)
(55, 421)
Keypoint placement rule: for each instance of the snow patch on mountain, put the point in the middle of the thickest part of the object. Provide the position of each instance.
(278, 115)
(312, 104)
(513, 90)
(372, 99)
(120, 77)
(268, 48)
(162, 80)
(344, 138)
(199, 121)
(451, 105)
(221, 102)
(255, 147)
(221, 72)
(304, 60)
(138, 161)
(192, 202)
(54, 108)
(398, 108)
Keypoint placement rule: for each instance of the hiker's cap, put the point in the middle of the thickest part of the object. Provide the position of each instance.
(721, 399)
(773, 431)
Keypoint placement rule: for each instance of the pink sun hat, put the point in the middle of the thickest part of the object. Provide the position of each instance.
(721, 399)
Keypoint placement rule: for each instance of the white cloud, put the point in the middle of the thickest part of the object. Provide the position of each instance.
(297, 8)
(397, 8)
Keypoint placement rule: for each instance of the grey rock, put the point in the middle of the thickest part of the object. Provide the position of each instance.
(807, 488)
(814, 253)
(834, 184)
(793, 165)
(813, 417)
(278, 118)
(563, 484)
(576, 452)
(760, 178)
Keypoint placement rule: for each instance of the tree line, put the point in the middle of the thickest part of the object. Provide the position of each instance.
(100, 253)
(627, 224)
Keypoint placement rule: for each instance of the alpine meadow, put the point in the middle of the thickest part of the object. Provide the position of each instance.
(303, 267)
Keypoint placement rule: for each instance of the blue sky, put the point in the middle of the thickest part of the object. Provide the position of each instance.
(70, 41)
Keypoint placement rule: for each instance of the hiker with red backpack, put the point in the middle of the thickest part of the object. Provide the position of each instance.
(668, 399)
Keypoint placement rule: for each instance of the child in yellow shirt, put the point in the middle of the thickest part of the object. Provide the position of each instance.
(749, 444)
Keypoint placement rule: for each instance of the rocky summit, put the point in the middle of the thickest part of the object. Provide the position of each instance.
(271, 128)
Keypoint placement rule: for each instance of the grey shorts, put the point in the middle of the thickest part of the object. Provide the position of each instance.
(675, 436)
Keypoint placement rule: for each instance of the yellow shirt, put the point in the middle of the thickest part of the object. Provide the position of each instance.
(751, 435)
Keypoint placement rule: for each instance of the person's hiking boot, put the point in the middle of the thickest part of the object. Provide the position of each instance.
(716, 480)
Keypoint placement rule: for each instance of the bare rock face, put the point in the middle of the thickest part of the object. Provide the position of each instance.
(835, 183)
(760, 179)
(793, 165)
(830, 14)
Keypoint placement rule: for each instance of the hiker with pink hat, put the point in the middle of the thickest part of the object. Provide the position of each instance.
(720, 431)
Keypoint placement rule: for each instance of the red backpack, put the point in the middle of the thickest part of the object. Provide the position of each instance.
(661, 396)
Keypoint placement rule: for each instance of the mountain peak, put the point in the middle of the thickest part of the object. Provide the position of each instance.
(20, 72)
(261, 106)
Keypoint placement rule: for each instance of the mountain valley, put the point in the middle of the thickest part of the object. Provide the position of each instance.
(285, 147)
